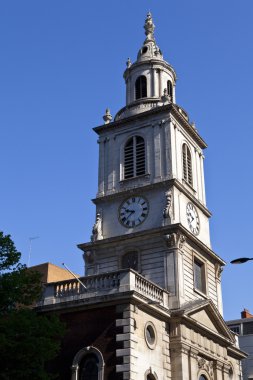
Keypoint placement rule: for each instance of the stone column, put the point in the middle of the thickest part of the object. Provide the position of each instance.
(166, 156)
(101, 167)
(157, 151)
(180, 361)
(74, 371)
(193, 363)
(202, 177)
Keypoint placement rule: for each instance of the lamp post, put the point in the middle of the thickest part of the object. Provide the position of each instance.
(241, 260)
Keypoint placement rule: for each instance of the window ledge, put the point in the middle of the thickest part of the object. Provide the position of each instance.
(127, 180)
(200, 292)
(188, 186)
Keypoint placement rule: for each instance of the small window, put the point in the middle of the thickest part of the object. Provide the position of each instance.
(235, 329)
(141, 87)
(202, 377)
(130, 260)
(248, 328)
(134, 157)
(187, 164)
(150, 335)
(199, 276)
(170, 89)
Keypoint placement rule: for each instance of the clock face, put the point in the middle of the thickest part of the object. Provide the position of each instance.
(192, 218)
(133, 211)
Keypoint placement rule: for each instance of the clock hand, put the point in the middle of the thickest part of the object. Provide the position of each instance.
(130, 213)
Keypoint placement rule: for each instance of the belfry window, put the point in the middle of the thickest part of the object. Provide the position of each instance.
(170, 89)
(134, 157)
(187, 164)
(141, 87)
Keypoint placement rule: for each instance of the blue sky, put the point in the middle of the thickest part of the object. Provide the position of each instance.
(61, 65)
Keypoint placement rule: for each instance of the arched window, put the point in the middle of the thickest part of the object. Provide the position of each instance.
(170, 89)
(202, 377)
(187, 164)
(151, 377)
(141, 87)
(88, 364)
(134, 157)
(130, 260)
(88, 368)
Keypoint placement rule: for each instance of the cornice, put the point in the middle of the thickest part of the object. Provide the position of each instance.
(173, 108)
(189, 128)
(133, 297)
(237, 353)
(149, 62)
(186, 313)
(162, 184)
(114, 241)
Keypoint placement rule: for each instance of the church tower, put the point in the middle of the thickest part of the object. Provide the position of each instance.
(150, 206)
(150, 305)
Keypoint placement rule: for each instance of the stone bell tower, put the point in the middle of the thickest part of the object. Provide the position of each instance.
(150, 305)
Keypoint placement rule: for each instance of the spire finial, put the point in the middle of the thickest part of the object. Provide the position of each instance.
(107, 117)
(149, 28)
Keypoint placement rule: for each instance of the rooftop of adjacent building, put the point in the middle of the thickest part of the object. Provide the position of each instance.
(52, 273)
(242, 326)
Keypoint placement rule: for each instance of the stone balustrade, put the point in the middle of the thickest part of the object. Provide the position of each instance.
(104, 284)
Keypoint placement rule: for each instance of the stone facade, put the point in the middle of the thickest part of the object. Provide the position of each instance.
(150, 304)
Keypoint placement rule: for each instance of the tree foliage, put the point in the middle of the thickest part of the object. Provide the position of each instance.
(27, 339)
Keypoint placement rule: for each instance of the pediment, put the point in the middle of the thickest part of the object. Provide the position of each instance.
(205, 314)
(203, 318)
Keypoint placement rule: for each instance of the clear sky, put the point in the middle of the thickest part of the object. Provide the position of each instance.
(61, 65)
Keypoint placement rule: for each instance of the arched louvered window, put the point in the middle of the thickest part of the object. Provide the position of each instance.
(170, 89)
(187, 164)
(134, 157)
(141, 87)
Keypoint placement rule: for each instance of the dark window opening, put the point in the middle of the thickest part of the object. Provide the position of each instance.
(199, 276)
(141, 87)
(130, 260)
(235, 329)
(89, 368)
(170, 89)
(151, 377)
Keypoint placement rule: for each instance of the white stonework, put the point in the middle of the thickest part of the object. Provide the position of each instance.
(175, 285)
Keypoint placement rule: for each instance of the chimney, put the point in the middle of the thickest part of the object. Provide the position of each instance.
(246, 314)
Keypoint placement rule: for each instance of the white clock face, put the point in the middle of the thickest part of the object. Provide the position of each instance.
(192, 218)
(133, 211)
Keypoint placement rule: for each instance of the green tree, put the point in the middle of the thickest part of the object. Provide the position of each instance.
(27, 339)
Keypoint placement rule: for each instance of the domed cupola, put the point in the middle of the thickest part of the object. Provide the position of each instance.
(150, 81)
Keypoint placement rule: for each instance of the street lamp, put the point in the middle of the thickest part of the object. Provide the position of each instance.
(241, 260)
